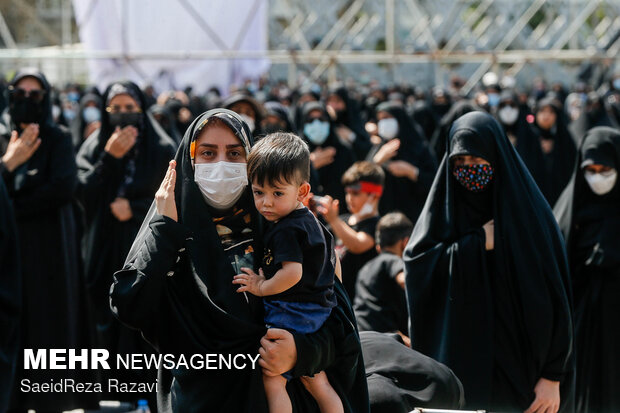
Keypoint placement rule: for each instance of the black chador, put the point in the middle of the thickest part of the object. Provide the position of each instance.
(500, 319)
(590, 223)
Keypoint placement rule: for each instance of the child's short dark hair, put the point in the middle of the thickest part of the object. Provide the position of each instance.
(279, 158)
(363, 171)
(392, 228)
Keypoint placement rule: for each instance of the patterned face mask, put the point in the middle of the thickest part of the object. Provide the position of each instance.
(475, 178)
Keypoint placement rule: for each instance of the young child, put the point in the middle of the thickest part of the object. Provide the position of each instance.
(297, 274)
(380, 301)
(363, 184)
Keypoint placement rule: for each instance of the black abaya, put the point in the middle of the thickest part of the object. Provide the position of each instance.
(591, 224)
(500, 319)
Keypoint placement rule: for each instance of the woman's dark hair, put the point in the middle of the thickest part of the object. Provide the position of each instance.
(392, 228)
(279, 157)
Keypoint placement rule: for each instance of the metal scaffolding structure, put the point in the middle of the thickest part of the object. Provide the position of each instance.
(322, 37)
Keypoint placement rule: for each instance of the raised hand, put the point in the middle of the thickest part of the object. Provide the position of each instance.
(164, 197)
(21, 148)
(121, 141)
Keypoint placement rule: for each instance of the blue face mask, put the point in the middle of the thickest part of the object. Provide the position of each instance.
(616, 83)
(73, 96)
(494, 99)
(69, 114)
(317, 131)
(91, 114)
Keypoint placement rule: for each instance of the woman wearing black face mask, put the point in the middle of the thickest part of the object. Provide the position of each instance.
(119, 170)
(589, 216)
(487, 277)
(38, 168)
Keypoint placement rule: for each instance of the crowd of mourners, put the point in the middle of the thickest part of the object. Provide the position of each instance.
(477, 236)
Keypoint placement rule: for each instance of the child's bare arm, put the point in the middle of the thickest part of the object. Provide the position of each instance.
(257, 284)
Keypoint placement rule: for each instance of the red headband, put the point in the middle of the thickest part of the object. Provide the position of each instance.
(368, 187)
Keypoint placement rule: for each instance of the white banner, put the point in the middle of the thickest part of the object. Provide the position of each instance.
(130, 27)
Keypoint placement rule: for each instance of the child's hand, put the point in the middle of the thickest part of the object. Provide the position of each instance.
(250, 281)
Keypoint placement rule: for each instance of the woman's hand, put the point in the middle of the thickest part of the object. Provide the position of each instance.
(121, 209)
(250, 281)
(404, 169)
(20, 149)
(321, 157)
(329, 208)
(489, 232)
(387, 152)
(278, 353)
(121, 141)
(547, 397)
(164, 197)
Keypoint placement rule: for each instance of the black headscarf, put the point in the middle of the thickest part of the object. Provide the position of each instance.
(196, 309)
(591, 224)
(45, 119)
(400, 193)
(503, 313)
(256, 106)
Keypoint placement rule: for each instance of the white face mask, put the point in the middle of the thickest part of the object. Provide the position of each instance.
(221, 183)
(250, 122)
(508, 115)
(601, 183)
(366, 209)
(388, 128)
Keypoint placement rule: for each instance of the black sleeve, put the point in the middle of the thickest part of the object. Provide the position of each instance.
(368, 226)
(59, 186)
(94, 168)
(395, 268)
(137, 288)
(286, 246)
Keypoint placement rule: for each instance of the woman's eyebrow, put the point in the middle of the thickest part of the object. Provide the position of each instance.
(236, 145)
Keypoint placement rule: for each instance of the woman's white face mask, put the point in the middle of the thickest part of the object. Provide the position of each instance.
(508, 115)
(601, 183)
(388, 128)
(221, 183)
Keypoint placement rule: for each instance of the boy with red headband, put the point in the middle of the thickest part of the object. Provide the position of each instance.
(363, 183)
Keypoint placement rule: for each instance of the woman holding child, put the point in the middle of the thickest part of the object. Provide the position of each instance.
(176, 286)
